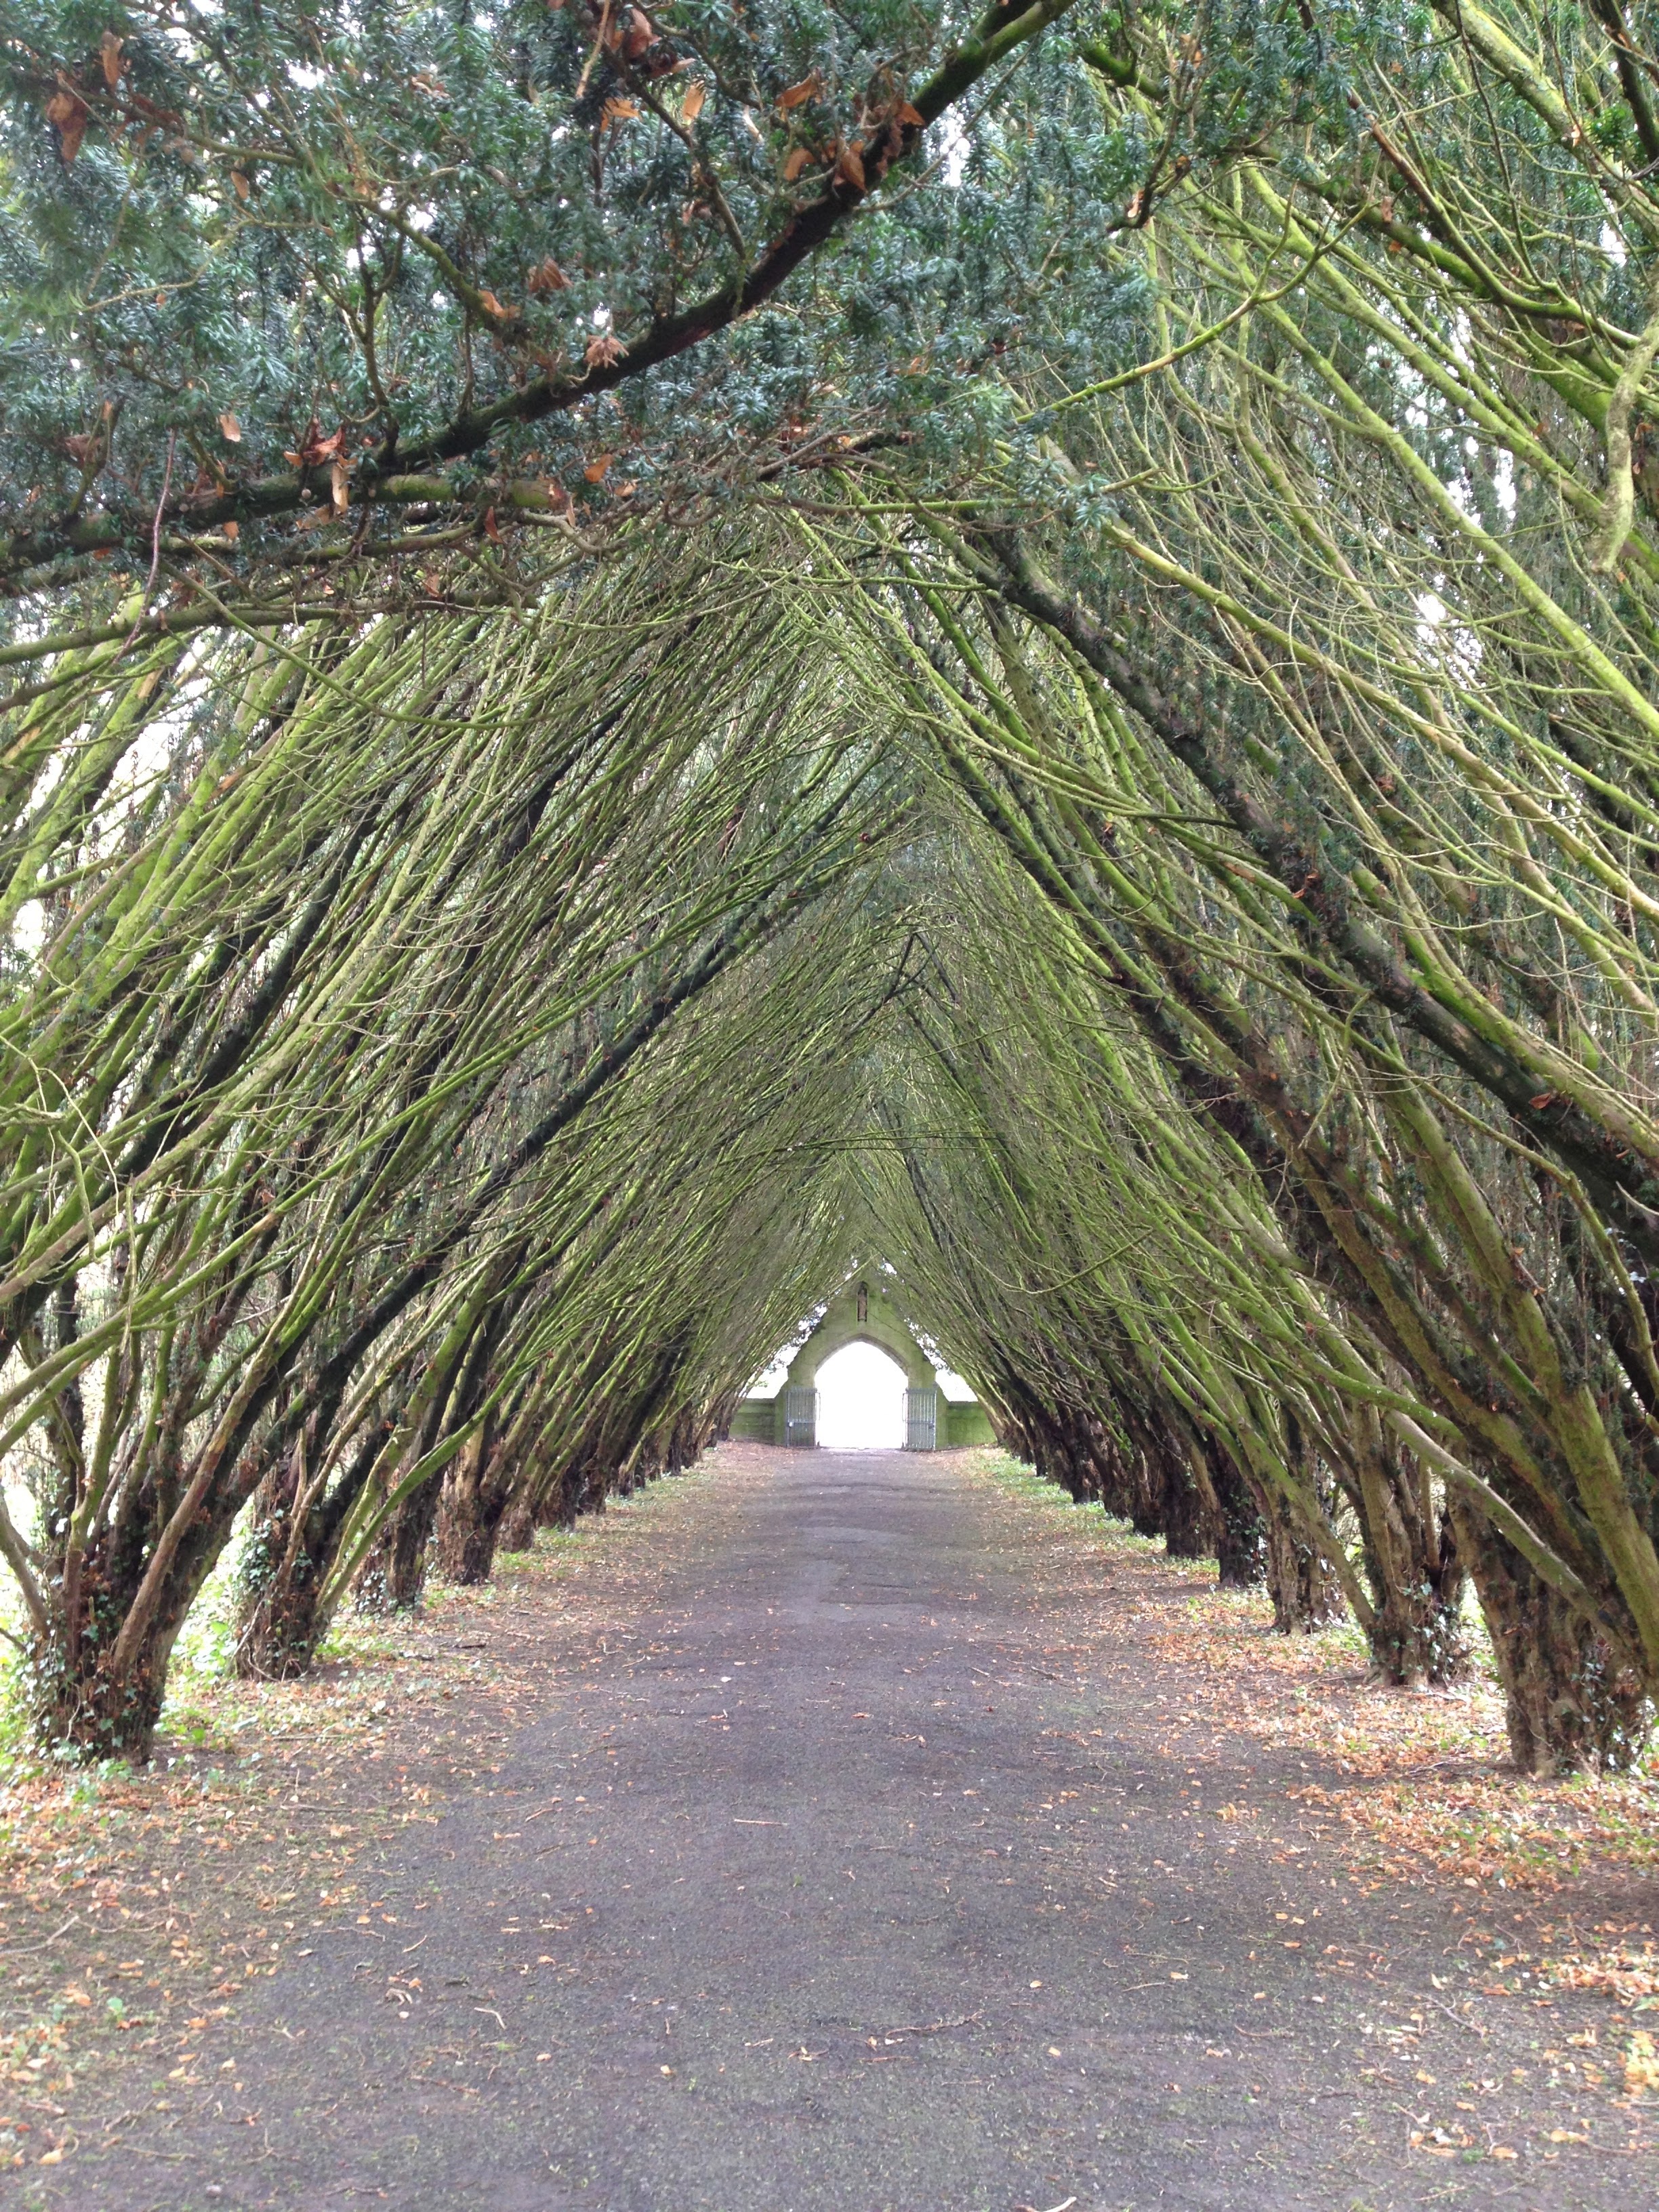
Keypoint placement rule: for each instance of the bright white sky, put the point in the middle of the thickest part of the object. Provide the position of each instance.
(861, 1400)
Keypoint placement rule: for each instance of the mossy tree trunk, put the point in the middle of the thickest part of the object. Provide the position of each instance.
(1570, 1706)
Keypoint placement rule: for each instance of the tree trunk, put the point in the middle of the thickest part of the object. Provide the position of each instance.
(1305, 1591)
(1114, 1473)
(1241, 1534)
(1186, 1531)
(393, 1575)
(1172, 1501)
(279, 1630)
(596, 1480)
(517, 1528)
(1568, 1706)
(75, 1702)
(287, 1561)
(474, 1495)
(80, 1701)
(1412, 1563)
(465, 1550)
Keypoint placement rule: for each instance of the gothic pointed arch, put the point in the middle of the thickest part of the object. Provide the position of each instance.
(866, 1309)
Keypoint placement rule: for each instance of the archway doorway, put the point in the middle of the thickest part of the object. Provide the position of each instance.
(860, 1400)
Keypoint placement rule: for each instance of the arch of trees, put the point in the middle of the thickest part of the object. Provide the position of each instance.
(1039, 628)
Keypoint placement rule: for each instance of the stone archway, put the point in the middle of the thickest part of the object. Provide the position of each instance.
(863, 1311)
(878, 1325)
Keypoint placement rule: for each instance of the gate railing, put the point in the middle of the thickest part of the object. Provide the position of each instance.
(922, 1420)
(800, 1417)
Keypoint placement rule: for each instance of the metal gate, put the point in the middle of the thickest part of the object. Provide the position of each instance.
(800, 1417)
(920, 1420)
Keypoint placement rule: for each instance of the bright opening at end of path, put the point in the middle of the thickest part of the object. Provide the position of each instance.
(860, 1400)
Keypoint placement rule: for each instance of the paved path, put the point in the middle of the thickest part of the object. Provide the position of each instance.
(832, 1887)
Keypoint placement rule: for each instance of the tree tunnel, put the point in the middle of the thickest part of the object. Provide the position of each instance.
(1123, 784)
(516, 1243)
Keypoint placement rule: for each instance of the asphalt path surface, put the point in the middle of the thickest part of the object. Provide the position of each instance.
(831, 1883)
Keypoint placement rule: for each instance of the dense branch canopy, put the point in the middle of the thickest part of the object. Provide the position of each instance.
(1096, 746)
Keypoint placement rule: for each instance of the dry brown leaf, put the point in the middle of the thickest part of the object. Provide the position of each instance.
(230, 428)
(912, 118)
(315, 449)
(109, 53)
(807, 89)
(603, 351)
(849, 166)
(233, 531)
(496, 309)
(620, 111)
(339, 487)
(798, 158)
(696, 93)
(596, 469)
(547, 276)
(238, 178)
(66, 112)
